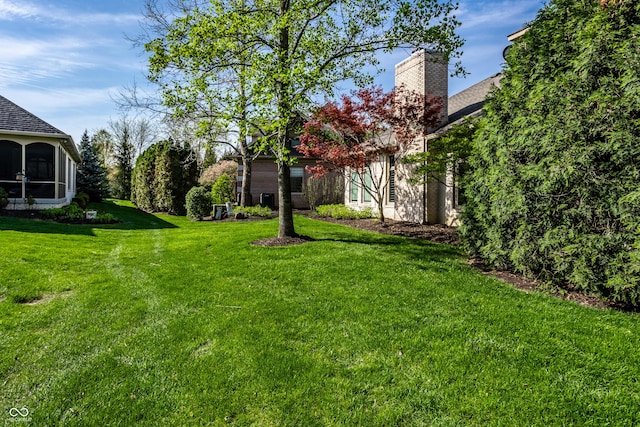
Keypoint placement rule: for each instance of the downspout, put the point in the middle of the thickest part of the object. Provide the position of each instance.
(424, 184)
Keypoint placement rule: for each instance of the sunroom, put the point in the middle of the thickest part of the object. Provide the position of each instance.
(37, 161)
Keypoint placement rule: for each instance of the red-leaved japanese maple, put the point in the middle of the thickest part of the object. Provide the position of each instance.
(368, 126)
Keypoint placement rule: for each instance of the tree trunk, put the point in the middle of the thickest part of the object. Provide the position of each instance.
(283, 87)
(285, 207)
(247, 159)
(380, 212)
(245, 195)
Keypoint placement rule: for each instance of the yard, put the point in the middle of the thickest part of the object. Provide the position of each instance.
(162, 321)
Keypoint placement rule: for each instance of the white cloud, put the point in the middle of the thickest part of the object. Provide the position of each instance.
(10, 10)
(26, 61)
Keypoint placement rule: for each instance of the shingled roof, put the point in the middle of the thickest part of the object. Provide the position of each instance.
(470, 101)
(15, 119)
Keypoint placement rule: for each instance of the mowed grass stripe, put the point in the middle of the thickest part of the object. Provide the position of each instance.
(165, 321)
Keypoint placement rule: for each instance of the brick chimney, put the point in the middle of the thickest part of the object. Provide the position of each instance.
(427, 73)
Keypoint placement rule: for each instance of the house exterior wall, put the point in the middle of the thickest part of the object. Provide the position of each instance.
(64, 175)
(264, 179)
(356, 189)
(426, 73)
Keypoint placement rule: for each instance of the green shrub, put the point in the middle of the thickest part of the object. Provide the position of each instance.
(222, 189)
(105, 218)
(75, 213)
(339, 211)
(553, 192)
(54, 213)
(261, 211)
(198, 203)
(81, 199)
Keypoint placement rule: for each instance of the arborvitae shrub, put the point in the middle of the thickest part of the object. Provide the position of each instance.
(162, 176)
(198, 203)
(222, 189)
(554, 192)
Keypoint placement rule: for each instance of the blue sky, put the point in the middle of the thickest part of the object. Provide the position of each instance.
(65, 60)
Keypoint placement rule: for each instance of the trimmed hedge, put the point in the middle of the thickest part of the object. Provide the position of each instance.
(339, 211)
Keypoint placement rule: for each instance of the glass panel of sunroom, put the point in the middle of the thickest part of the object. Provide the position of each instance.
(40, 162)
(10, 160)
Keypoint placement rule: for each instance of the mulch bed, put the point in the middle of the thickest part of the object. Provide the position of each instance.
(28, 214)
(37, 214)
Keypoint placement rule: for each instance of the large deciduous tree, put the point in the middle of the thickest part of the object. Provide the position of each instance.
(356, 135)
(554, 192)
(281, 53)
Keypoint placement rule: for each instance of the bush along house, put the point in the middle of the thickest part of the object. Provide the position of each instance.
(37, 161)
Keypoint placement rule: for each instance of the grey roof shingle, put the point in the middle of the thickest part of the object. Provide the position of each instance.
(17, 119)
(470, 101)
(14, 118)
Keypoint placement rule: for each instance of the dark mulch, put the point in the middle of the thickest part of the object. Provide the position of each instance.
(28, 214)
(437, 233)
(37, 214)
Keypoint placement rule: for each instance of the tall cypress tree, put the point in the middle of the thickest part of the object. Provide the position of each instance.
(91, 175)
(125, 153)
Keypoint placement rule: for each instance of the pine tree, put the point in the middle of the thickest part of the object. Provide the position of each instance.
(91, 176)
(125, 153)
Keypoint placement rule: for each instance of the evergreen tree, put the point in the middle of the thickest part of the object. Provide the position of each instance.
(91, 175)
(125, 152)
(554, 193)
(163, 175)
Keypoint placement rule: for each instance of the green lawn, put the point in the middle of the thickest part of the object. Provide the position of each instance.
(162, 321)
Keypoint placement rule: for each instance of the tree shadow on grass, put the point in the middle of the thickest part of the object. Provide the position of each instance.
(130, 218)
(419, 250)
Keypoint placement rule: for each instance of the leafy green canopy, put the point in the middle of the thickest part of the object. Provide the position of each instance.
(555, 190)
(265, 59)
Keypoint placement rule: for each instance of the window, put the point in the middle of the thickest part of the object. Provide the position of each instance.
(69, 174)
(296, 175)
(366, 196)
(10, 160)
(40, 162)
(458, 192)
(392, 178)
(40, 169)
(354, 187)
(62, 170)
